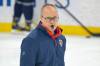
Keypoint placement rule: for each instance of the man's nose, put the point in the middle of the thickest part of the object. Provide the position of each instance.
(52, 21)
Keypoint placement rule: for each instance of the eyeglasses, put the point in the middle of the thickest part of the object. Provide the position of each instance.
(49, 19)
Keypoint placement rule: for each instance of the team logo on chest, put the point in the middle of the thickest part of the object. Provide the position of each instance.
(60, 42)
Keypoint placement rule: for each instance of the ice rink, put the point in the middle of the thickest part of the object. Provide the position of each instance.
(80, 51)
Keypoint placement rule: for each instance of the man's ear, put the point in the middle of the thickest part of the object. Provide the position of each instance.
(41, 19)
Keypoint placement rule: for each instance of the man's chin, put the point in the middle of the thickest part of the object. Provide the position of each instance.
(54, 28)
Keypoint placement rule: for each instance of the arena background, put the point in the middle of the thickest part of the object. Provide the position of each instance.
(87, 11)
(80, 50)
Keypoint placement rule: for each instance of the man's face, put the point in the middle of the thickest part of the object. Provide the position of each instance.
(49, 18)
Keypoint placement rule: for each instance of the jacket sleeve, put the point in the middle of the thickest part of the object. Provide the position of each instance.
(29, 51)
(64, 40)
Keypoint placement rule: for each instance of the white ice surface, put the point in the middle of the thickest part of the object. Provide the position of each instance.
(80, 51)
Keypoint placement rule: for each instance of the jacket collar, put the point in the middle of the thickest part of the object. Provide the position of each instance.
(58, 31)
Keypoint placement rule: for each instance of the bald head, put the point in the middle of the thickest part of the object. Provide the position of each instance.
(49, 10)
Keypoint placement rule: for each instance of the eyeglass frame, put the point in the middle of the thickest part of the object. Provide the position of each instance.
(49, 19)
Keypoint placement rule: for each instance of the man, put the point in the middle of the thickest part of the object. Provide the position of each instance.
(44, 46)
(23, 7)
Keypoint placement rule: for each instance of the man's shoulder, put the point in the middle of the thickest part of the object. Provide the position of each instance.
(36, 34)
(33, 34)
(63, 37)
(32, 37)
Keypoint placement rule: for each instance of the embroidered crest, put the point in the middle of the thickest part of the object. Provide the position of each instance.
(60, 42)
